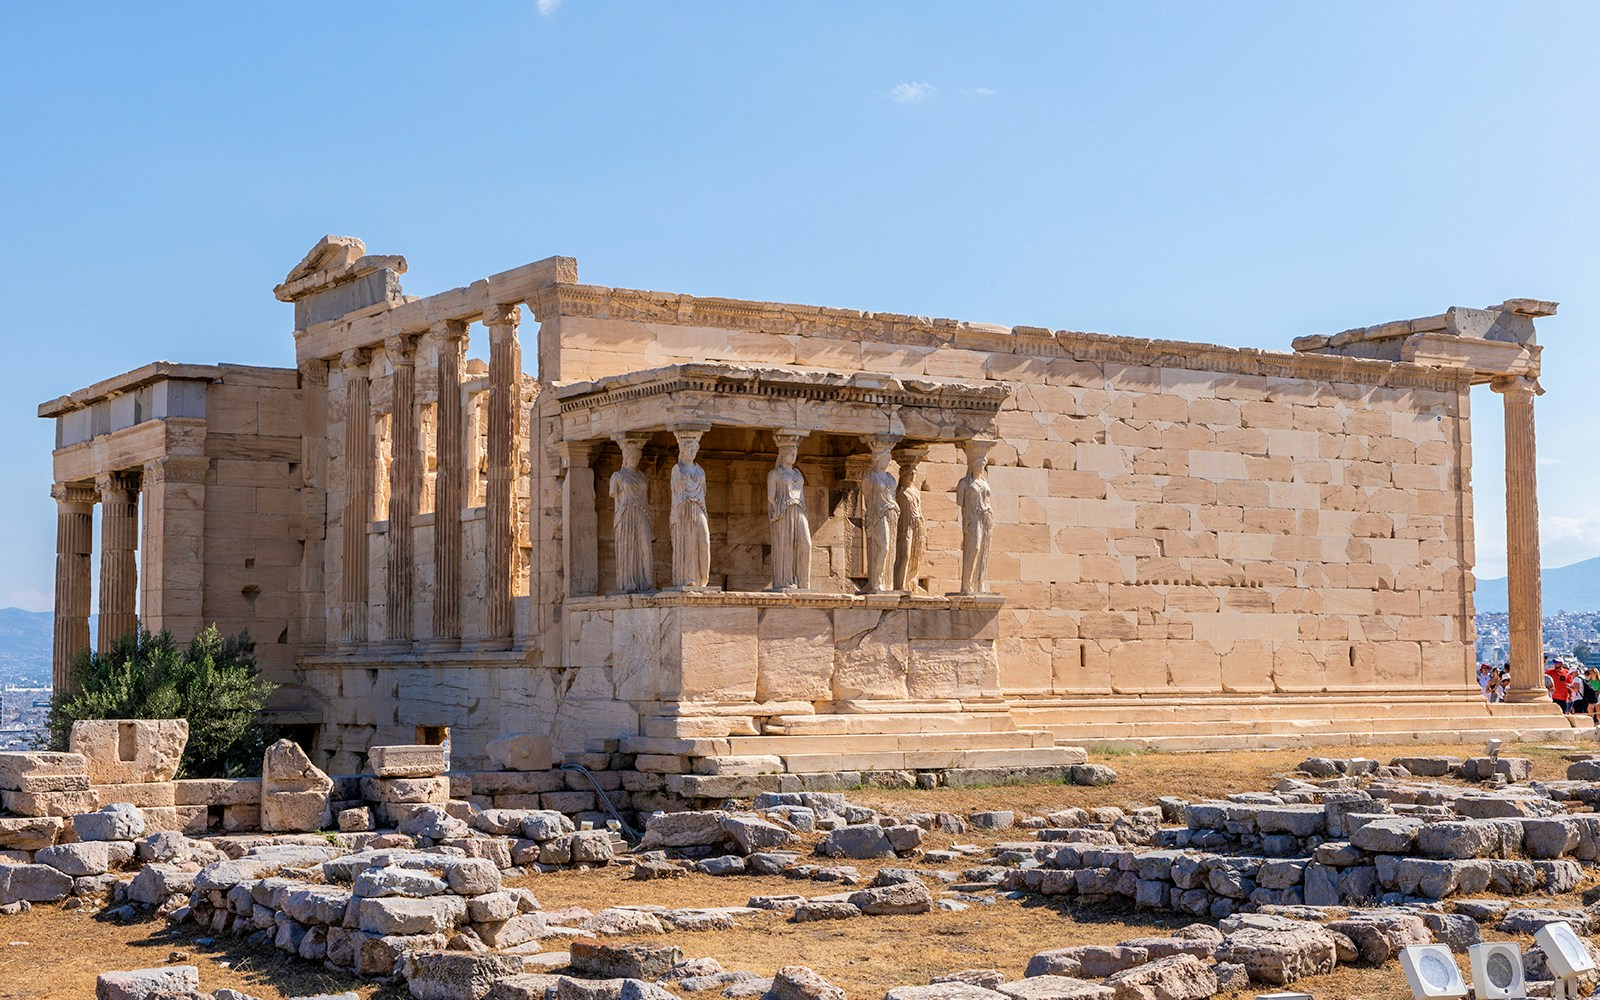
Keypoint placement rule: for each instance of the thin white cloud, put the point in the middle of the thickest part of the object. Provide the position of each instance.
(980, 92)
(912, 93)
(548, 7)
(1547, 460)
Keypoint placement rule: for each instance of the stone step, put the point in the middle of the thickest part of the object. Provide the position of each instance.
(869, 743)
(1205, 710)
(1314, 740)
(842, 725)
(931, 759)
(1076, 732)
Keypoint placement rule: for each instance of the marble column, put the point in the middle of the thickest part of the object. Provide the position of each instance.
(579, 518)
(74, 546)
(405, 486)
(119, 539)
(314, 505)
(505, 392)
(1522, 540)
(173, 545)
(354, 594)
(450, 454)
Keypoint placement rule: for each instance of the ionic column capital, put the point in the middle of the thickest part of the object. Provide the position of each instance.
(451, 329)
(1517, 385)
(575, 454)
(355, 359)
(314, 372)
(401, 349)
(110, 483)
(503, 314)
(68, 494)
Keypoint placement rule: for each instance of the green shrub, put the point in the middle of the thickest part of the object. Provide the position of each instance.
(213, 683)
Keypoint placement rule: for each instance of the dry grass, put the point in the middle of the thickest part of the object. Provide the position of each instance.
(65, 950)
(55, 954)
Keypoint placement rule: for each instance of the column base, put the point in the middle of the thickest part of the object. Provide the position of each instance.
(1528, 696)
(437, 645)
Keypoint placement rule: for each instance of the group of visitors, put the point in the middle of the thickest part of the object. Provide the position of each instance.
(1576, 688)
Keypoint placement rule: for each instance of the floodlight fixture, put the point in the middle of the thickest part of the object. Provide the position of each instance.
(1564, 950)
(1432, 972)
(1497, 971)
(1494, 749)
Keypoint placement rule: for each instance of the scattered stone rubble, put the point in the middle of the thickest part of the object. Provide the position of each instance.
(1349, 863)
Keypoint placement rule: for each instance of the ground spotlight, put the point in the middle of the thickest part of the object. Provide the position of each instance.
(1432, 972)
(1497, 970)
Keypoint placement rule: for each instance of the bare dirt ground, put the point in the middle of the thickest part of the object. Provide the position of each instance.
(65, 950)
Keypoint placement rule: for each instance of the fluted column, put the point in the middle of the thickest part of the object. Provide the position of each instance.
(450, 454)
(579, 519)
(353, 592)
(1522, 540)
(314, 505)
(405, 484)
(74, 545)
(505, 383)
(119, 539)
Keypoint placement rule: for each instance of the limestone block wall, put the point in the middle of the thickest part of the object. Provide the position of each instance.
(251, 550)
(1170, 518)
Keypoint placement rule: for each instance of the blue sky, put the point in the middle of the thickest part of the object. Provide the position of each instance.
(1241, 173)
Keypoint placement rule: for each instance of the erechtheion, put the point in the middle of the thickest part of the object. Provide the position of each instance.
(752, 535)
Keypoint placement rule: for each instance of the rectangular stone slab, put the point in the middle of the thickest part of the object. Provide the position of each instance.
(419, 761)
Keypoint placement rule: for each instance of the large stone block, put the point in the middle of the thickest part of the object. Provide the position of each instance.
(716, 656)
(35, 770)
(295, 795)
(141, 984)
(871, 654)
(414, 761)
(129, 751)
(520, 752)
(794, 655)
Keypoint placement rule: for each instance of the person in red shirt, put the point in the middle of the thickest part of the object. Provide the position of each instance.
(1560, 685)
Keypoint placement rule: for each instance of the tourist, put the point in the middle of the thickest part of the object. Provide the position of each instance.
(1485, 678)
(1591, 692)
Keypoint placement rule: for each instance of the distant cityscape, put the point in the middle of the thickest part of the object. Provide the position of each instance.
(1568, 634)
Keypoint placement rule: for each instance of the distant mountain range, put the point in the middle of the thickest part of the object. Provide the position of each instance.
(1565, 588)
(25, 641)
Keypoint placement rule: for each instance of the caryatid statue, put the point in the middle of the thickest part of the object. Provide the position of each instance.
(908, 547)
(786, 509)
(630, 494)
(975, 498)
(880, 518)
(691, 528)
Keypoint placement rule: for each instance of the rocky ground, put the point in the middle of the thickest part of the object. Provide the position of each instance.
(970, 921)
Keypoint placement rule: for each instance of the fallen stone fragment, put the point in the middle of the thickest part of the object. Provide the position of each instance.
(455, 975)
(824, 910)
(1178, 977)
(1055, 988)
(140, 984)
(796, 982)
(901, 897)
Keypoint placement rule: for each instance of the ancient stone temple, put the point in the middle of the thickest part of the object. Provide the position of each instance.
(753, 536)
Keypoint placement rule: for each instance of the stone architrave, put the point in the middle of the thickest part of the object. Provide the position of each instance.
(630, 493)
(880, 518)
(408, 761)
(912, 536)
(130, 751)
(975, 497)
(786, 509)
(295, 795)
(691, 525)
